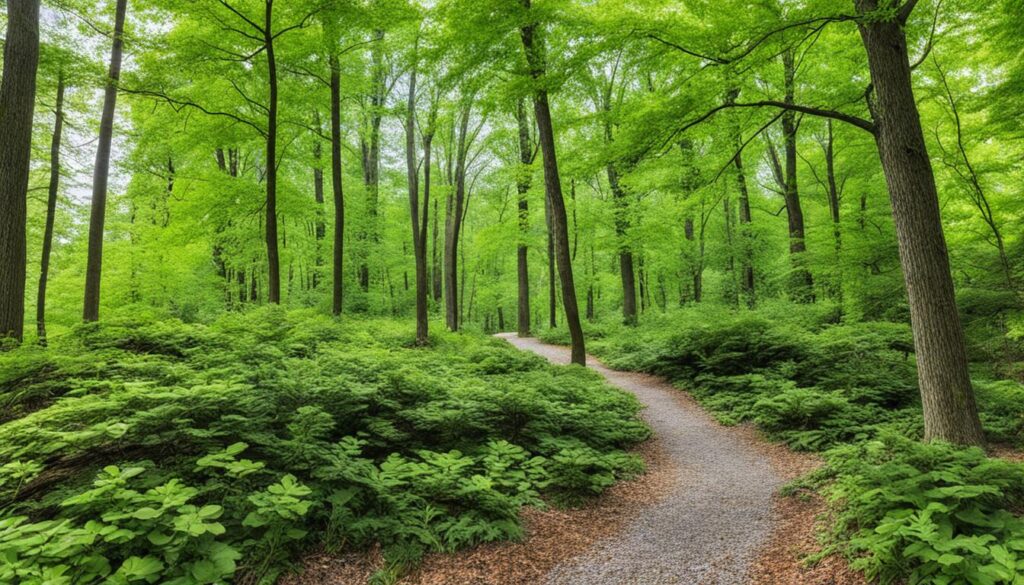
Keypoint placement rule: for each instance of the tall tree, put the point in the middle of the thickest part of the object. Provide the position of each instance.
(17, 106)
(337, 290)
(51, 208)
(419, 218)
(950, 410)
(101, 171)
(523, 179)
(535, 57)
(370, 146)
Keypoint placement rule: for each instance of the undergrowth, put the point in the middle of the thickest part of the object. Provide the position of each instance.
(904, 511)
(159, 451)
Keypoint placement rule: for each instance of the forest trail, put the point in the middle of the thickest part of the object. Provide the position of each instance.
(709, 528)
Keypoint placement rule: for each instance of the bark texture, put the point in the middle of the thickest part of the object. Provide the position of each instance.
(17, 106)
(337, 267)
(559, 222)
(101, 172)
(51, 208)
(522, 251)
(950, 411)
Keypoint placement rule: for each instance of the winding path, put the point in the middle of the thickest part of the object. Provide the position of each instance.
(719, 512)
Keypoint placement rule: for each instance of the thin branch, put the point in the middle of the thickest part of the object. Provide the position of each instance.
(180, 104)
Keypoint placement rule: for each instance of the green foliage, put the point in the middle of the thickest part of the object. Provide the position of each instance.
(186, 453)
(902, 511)
(930, 514)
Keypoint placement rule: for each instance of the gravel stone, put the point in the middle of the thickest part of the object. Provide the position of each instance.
(718, 516)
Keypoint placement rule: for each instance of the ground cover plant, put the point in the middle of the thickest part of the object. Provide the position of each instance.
(902, 510)
(160, 451)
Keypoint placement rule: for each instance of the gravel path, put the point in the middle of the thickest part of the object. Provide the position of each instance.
(709, 529)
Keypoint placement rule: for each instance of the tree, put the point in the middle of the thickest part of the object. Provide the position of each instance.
(950, 410)
(51, 207)
(523, 179)
(101, 170)
(534, 49)
(419, 218)
(17, 106)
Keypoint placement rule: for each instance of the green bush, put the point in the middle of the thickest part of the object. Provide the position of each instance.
(186, 453)
(903, 511)
(928, 514)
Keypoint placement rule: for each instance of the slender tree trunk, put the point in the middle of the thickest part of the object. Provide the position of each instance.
(746, 235)
(273, 259)
(552, 288)
(419, 240)
(51, 209)
(522, 251)
(950, 411)
(802, 283)
(542, 111)
(453, 226)
(731, 293)
(626, 270)
(833, 206)
(436, 253)
(320, 229)
(371, 158)
(101, 172)
(339, 198)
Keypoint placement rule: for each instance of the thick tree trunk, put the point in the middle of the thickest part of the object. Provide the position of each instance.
(51, 209)
(950, 411)
(17, 106)
(522, 251)
(273, 259)
(101, 172)
(542, 111)
(339, 198)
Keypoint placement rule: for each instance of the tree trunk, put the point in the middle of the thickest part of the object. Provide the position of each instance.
(802, 282)
(419, 239)
(626, 270)
(339, 198)
(950, 411)
(320, 229)
(371, 157)
(746, 235)
(522, 251)
(436, 257)
(273, 260)
(833, 206)
(101, 172)
(453, 225)
(17, 106)
(535, 57)
(51, 208)
(552, 288)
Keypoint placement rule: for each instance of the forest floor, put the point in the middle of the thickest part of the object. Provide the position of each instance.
(707, 511)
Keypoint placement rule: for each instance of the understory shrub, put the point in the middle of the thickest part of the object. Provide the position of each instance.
(140, 451)
(904, 511)
(927, 514)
